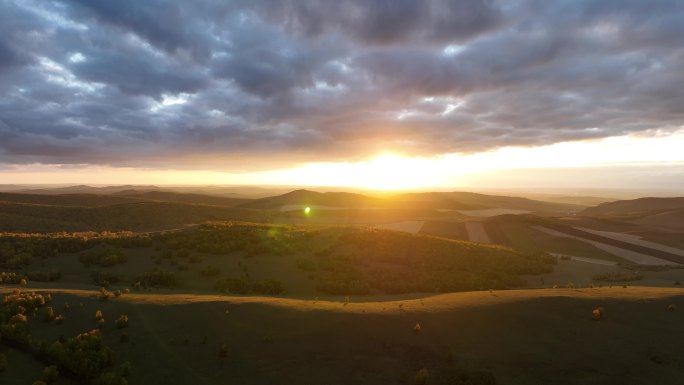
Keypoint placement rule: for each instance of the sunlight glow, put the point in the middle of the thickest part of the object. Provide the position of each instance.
(392, 171)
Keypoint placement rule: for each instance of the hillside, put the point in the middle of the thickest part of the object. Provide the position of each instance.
(71, 200)
(310, 198)
(473, 201)
(634, 206)
(305, 260)
(191, 198)
(464, 339)
(140, 216)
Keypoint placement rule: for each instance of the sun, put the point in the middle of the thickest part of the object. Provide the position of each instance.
(389, 171)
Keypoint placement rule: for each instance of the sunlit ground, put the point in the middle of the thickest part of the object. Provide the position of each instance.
(392, 171)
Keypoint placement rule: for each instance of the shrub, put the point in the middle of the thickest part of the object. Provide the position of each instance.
(156, 278)
(422, 376)
(597, 313)
(269, 287)
(10, 278)
(121, 322)
(417, 329)
(59, 319)
(103, 295)
(50, 374)
(103, 256)
(671, 307)
(49, 314)
(98, 315)
(84, 355)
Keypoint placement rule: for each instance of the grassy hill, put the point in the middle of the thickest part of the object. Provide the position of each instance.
(307, 197)
(464, 338)
(634, 206)
(140, 216)
(241, 258)
(199, 199)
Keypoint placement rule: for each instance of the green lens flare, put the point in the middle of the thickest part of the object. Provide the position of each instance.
(307, 210)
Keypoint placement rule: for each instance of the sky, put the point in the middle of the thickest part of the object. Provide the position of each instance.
(381, 94)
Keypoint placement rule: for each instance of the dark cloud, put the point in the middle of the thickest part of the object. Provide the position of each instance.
(212, 82)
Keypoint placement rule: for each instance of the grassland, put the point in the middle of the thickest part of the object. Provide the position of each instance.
(178, 338)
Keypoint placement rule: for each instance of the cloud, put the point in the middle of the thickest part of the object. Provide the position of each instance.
(258, 83)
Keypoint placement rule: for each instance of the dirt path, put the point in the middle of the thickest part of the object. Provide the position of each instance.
(477, 232)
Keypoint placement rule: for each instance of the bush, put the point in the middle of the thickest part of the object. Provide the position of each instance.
(85, 355)
(10, 278)
(104, 279)
(156, 278)
(597, 314)
(103, 295)
(417, 329)
(49, 314)
(121, 322)
(50, 374)
(103, 256)
(422, 376)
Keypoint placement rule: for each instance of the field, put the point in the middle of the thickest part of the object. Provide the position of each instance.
(463, 337)
(373, 292)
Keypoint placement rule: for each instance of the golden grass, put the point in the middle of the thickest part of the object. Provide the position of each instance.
(430, 303)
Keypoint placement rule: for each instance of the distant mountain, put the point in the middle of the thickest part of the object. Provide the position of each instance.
(415, 201)
(71, 200)
(84, 189)
(634, 206)
(458, 200)
(201, 199)
(308, 197)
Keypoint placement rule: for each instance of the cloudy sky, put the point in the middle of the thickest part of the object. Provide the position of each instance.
(245, 88)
